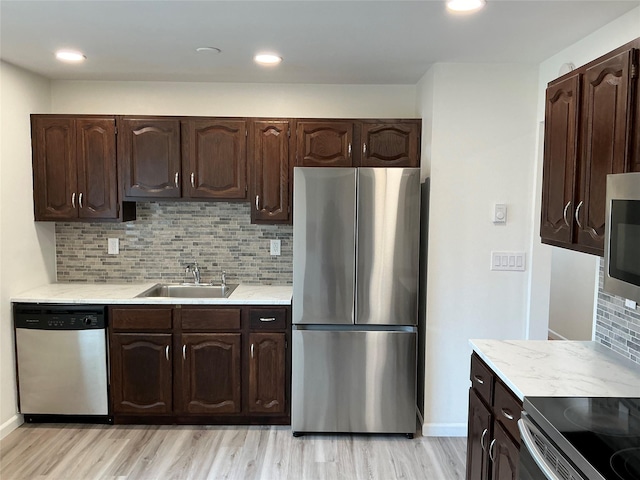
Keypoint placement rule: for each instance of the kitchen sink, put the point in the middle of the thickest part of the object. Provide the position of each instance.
(189, 290)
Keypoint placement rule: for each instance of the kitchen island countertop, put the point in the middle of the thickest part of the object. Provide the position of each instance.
(559, 368)
(126, 294)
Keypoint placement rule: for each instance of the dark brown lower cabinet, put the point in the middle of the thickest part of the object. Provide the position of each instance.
(480, 425)
(505, 454)
(493, 442)
(211, 373)
(141, 379)
(267, 372)
(200, 364)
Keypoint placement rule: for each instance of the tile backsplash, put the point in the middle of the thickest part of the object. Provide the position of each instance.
(167, 236)
(617, 327)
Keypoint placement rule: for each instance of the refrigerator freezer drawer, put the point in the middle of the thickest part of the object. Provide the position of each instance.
(354, 381)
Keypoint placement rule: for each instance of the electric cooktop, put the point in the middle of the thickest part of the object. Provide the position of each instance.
(597, 434)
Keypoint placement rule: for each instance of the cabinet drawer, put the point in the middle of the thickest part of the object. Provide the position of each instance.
(210, 319)
(482, 379)
(268, 318)
(507, 409)
(141, 318)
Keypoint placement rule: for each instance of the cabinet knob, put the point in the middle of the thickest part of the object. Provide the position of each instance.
(177, 177)
(193, 180)
(482, 445)
(364, 149)
(258, 202)
(267, 319)
(184, 352)
(252, 350)
(80, 200)
(478, 379)
(166, 352)
(73, 199)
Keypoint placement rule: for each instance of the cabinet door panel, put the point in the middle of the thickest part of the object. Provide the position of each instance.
(390, 145)
(149, 157)
(267, 372)
(270, 171)
(141, 373)
(506, 456)
(606, 115)
(96, 159)
(211, 373)
(560, 156)
(54, 168)
(324, 144)
(215, 159)
(479, 435)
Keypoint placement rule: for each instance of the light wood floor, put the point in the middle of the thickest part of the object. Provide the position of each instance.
(52, 451)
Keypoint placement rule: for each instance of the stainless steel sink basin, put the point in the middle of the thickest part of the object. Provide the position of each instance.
(189, 290)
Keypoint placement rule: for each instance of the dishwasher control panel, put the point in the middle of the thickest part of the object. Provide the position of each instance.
(58, 317)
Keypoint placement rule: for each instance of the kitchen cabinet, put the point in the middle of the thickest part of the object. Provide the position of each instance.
(149, 157)
(267, 364)
(324, 143)
(358, 143)
(271, 174)
(590, 115)
(214, 158)
(74, 169)
(391, 144)
(200, 364)
(141, 351)
(493, 441)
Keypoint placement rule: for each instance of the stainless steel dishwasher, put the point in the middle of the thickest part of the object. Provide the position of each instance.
(61, 357)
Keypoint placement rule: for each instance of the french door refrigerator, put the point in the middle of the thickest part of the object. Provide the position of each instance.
(355, 281)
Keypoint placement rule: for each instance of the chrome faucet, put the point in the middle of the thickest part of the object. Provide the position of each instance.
(195, 271)
(223, 279)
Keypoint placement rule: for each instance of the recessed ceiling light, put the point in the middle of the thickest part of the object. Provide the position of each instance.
(267, 59)
(465, 5)
(208, 50)
(70, 56)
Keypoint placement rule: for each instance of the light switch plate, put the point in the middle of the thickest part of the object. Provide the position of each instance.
(113, 246)
(500, 213)
(275, 247)
(509, 261)
(630, 304)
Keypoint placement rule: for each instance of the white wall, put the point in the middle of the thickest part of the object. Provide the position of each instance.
(570, 304)
(483, 135)
(27, 249)
(225, 99)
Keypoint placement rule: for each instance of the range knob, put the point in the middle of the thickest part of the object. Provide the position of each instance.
(86, 321)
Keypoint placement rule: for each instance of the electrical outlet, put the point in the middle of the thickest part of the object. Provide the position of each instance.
(275, 247)
(113, 246)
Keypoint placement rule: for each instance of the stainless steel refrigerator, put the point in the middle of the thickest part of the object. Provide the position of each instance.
(356, 236)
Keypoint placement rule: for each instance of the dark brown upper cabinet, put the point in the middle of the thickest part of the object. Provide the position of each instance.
(214, 159)
(271, 175)
(149, 157)
(324, 143)
(591, 120)
(391, 144)
(74, 169)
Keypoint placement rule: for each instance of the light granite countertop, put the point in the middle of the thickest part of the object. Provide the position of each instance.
(558, 368)
(123, 294)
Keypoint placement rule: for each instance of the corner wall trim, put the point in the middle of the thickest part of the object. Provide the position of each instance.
(553, 335)
(10, 425)
(444, 430)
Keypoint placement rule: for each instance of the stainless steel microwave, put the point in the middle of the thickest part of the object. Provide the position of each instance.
(622, 236)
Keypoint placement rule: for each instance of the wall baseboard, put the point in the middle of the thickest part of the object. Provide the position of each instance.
(10, 425)
(444, 430)
(553, 335)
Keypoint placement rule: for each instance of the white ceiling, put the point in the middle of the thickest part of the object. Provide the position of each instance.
(341, 42)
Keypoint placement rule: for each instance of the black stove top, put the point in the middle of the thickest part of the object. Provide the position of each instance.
(601, 436)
